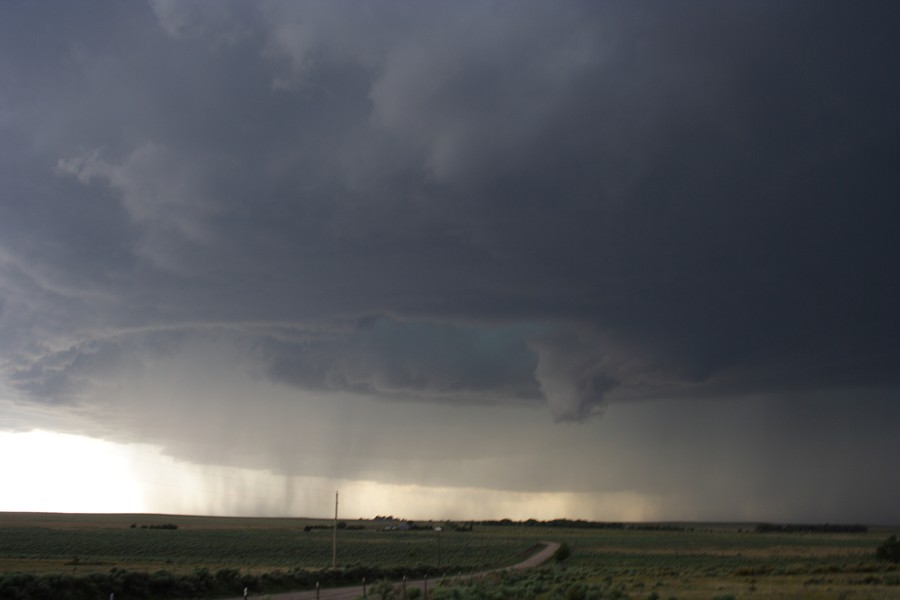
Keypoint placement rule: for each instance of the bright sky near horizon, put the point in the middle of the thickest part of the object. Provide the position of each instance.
(71, 473)
(51, 472)
(615, 260)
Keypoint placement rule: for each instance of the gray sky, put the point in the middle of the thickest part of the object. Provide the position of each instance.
(643, 248)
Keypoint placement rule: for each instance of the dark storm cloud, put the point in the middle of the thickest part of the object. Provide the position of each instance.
(396, 359)
(640, 199)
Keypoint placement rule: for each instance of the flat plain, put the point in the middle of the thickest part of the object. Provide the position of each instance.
(684, 561)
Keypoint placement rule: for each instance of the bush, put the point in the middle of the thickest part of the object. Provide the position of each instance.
(562, 553)
(889, 550)
(384, 590)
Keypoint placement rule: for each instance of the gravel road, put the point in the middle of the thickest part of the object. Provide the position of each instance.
(356, 591)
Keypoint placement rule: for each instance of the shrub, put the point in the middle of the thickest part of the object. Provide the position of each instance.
(889, 550)
(562, 553)
(384, 590)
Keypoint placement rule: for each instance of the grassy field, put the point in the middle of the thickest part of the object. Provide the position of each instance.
(722, 561)
(41, 543)
(701, 561)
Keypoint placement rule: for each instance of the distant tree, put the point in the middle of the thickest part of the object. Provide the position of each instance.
(889, 549)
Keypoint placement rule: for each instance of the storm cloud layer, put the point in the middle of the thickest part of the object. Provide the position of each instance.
(474, 204)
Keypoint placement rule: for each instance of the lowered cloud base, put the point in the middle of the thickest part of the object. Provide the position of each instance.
(489, 230)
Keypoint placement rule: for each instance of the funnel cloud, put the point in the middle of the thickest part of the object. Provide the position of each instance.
(607, 251)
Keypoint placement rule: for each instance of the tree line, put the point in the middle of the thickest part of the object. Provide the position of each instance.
(582, 524)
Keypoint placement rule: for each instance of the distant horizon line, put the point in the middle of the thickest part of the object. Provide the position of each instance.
(446, 520)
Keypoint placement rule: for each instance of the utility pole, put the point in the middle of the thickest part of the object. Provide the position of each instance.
(334, 534)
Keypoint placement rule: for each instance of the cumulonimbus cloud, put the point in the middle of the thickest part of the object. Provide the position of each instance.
(577, 204)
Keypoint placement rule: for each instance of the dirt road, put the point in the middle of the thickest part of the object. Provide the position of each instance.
(356, 591)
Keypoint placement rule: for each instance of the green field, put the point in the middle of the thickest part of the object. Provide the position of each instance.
(721, 561)
(700, 561)
(93, 543)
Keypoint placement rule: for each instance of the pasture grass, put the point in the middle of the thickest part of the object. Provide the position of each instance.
(701, 562)
(52, 543)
